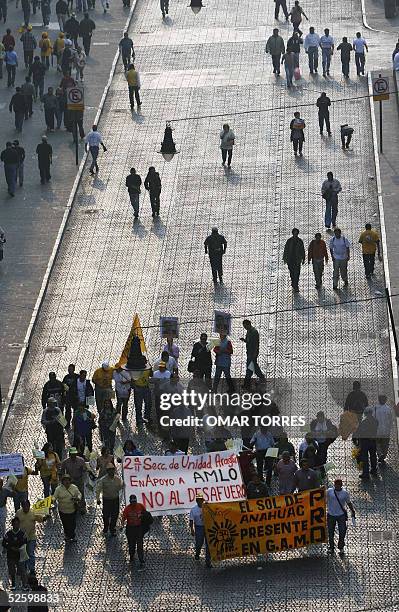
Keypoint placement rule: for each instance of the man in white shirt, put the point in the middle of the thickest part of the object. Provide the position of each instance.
(93, 141)
(337, 500)
(360, 45)
(383, 413)
(329, 192)
(170, 362)
(198, 531)
(122, 390)
(327, 49)
(339, 249)
(311, 46)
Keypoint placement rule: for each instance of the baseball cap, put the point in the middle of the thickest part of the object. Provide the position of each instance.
(73, 451)
(162, 364)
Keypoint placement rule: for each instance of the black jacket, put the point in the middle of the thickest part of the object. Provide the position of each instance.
(12, 542)
(52, 388)
(367, 429)
(133, 183)
(37, 71)
(215, 244)
(17, 103)
(322, 104)
(202, 357)
(356, 401)
(86, 27)
(21, 153)
(72, 27)
(9, 156)
(294, 250)
(61, 8)
(153, 182)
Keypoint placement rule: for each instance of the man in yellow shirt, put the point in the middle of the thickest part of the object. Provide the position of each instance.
(21, 488)
(102, 379)
(27, 522)
(370, 241)
(133, 81)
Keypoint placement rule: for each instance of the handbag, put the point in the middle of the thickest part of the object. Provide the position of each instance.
(341, 506)
(191, 366)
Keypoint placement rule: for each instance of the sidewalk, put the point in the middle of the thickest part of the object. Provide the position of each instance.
(31, 220)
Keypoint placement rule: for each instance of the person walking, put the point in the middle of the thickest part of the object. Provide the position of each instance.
(133, 517)
(356, 400)
(27, 521)
(29, 45)
(21, 158)
(58, 49)
(126, 49)
(223, 352)
(164, 8)
(275, 47)
(46, 12)
(197, 530)
(50, 106)
(48, 469)
(262, 440)
(327, 50)
(52, 426)
(71, 395)
(17, 104)
(3, 10)
(346, 49)
(330, 189)
(106, 424)
(102, 379)
(37, 72)
(11, 62)
(86, 29)
(294, 257)
(360, 47)
(216, 246)
(294, 44)
(142, 395)
(80, 63)
(9, 157)
(44, 152)
(283, 5)
(340, 255)
(72, 29)
(60, 107)
(46, 49)
(25, 5)
(109, 486)
(311, 46)
(93, 141)
(227, 141)
(323, 103)
(201, 359)
(324, 433)
(68, 496)
(133, 184)
(297, 126)
(346, 135)
(153, 185)
(288, 60)
(296, 16)
(2, 57)
(13, 541)
(337, 499)
(285, 470)
(306, 478)
(366, 435)
(317, 256)
(28, 91)
(383, 413)
(252, 347)
(122, 391)
(370, 241)
(8, 40)
(62, 12)
(76, 469)
(133, 82)
(2, 243)
(83, 424)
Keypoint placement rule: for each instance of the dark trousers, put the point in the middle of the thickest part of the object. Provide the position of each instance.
(217, 267)
(122, 403)
(164, 7)
(134, 93)
(48, 486)
(49, 114)
(39, 87)
(28, 106)
(142, 395)
(368, 448)
(28, 58)
(182, 444)
(126, 59)
(80, 129)
(313, 58)
(264, 463)
(332, 521)
(321, 457)
(297, 143)
(155, 202)
(3, 10)
(11, 75)
(227, 154)
(324, 119)
(276, 63)
(19, 120)
(10, 171)
(331, 212)
(218, 374)
(86, 40)
(200, 540)
(85, 439)
(94, 154)
(295, 271)
(360, 60)
(135, 539)
(280, 4)
(69, 524)
(16, 567)
(248, 373)
(110, 513)
(44, 169)
(345, 66)
(369, 261)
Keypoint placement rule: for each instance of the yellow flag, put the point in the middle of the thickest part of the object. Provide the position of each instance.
(135, 331)
(42, 506)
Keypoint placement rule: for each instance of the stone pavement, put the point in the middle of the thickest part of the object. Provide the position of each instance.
(32, 219)
(313, 345)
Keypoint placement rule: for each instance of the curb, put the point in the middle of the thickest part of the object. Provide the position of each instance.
(364, 19)
(35, 313)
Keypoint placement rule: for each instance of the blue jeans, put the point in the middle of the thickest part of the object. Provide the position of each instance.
(326, 59)
(200, 539)
(313, 57)
(289, 73)
(135, 200)
(342, 526)
(142, 394)
(30, 549)
(10, 170)
(330, 215)
(94, 154)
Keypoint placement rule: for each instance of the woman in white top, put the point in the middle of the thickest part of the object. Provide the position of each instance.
(226, 144)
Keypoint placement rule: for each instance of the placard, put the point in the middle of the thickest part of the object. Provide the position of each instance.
(169, 327)
(222, 322)
(11, 464)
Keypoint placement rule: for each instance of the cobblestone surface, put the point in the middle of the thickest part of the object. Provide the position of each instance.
(312, 345)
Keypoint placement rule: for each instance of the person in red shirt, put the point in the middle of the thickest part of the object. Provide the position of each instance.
(317, 254)
(132, 515)
(8, 40)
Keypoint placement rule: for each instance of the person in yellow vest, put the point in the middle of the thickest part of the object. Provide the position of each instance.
(102, 379)
(46, 49)
(133, 81)
(58, 49)
(27, 522)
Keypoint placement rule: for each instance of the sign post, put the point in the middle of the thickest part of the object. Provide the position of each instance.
(75, 103)
(380, 93)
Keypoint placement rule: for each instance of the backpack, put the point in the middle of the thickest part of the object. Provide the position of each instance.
(146, 521)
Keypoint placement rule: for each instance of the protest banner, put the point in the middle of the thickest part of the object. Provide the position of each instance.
(265, 525)
(42, 506)
(11, 464)
(169, 484)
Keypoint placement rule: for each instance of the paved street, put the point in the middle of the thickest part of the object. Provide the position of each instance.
(313, 345)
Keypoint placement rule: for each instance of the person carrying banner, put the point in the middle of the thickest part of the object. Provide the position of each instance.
(337, 500)
(198, 530)
(133, 515)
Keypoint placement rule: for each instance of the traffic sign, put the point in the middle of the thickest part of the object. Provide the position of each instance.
(75, 98)
(381, 88)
